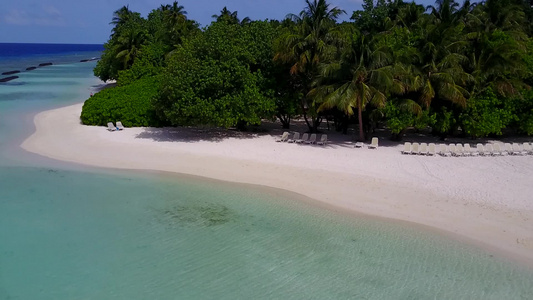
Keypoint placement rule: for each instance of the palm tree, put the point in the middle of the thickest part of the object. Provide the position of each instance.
(365, 74)
(121, 17)
(176, 14)
(439, 73)
(128, 45)
(445, 11)
(496, 43)
(306, 46)
(228, 16)
(410, 14)
(175, 20)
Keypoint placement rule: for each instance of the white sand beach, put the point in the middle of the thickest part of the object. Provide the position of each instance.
(488, 200)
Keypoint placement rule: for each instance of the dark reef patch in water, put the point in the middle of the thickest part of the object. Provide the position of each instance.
(206, 215)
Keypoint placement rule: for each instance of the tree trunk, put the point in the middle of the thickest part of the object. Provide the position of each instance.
(360, 116)
(285, 121)
(313, 125)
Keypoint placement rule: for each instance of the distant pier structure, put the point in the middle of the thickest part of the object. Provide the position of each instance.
(6, 79)
(11, 72)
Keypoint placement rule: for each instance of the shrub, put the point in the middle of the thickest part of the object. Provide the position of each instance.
(523, 108)
(485, 114)
(129, 104)
(404, 113)
(216, 78)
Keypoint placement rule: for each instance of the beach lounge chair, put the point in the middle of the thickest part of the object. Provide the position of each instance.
(423, 149)
(489, 150)
(304, 138)
(503, 148)
(406, 148)
(414, 149)
(508, 148)
(527, 148)
(323, 140)
(312, 139)
(374, 143)
(497, 149)
(480, 149)
(111, 127)
(467, 150)
(459, 150)
(443, 150)
(517, 149)
(295, 137)
(120, 126)
(453, 149)
(475, 151)
(359, 145)
(432, 149)
(284, 137)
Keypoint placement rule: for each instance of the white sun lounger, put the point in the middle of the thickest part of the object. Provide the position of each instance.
(475, 151)
(497, 150)
(508, 148)
(527, 148)
(501, 148)
(443, 150)
(304, 138)
(374, 143)
(452, 149)
(480, 149)
(312, 139)
(359, 145)
(423, 149)
(284, 137)
(459, 150)
(323, 139)
(517, 149)
(467, 150)
(432, 149)
(295, 137)
(120, 126)
(489, 150)
(406, 148)
(111, 127)
(414, 149)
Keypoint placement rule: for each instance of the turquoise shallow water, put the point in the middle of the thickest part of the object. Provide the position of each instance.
(70, 232)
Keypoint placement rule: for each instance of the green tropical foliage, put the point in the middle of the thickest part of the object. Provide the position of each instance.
(454, 67)
(484, 115)
(310, 42)
(129, 104)
(217, 78)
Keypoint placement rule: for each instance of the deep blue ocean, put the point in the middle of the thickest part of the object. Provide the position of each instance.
(10, 50)
(19, 57)
(71, 231)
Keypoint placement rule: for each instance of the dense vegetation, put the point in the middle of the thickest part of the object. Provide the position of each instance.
(130, 104)
(455, 68)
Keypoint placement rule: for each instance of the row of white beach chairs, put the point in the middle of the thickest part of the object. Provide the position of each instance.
(373, 144)
(466, 150)
(304, 139)
(112, 127)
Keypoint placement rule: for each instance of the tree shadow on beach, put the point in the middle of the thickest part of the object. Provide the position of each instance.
(335, 138)
(193, 134)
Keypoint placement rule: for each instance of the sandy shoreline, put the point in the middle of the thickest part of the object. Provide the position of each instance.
(486, 199)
